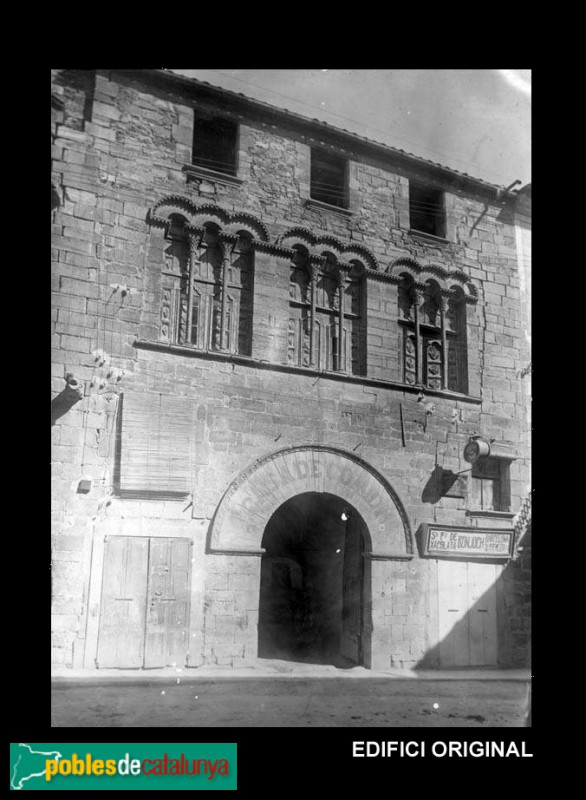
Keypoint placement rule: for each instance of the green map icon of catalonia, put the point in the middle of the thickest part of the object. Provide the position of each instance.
(27, 764)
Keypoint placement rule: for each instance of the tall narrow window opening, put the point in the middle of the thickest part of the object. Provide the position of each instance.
(456, 341)
(489, 488)
(328, 178)
(426, 209)
(215, 143)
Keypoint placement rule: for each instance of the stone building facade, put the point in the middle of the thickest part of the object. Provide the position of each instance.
(273, 341)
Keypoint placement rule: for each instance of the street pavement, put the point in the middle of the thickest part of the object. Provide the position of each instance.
(284, 695)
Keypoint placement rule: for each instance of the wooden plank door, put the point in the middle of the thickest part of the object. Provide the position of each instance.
(124, 590)
(467, 614)
(482, 614)
(453, 621)
(167, 614)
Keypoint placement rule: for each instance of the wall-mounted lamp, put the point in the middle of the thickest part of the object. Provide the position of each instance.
(73, 388)
(476, 448)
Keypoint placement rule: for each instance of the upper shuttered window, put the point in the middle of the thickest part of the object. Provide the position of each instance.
(156, 444)
(426, 209)
(328, 178)
(215, 144)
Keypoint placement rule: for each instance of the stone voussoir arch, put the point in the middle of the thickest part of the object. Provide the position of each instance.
(424, 273)
(318, 245)
(198, 215)
(251, 499)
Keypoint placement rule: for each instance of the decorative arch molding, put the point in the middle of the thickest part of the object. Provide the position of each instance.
(363, 254)
(328, 243)
(448, 279)
(317, 245)
(210, 213)
(407, 263)
(172, 204)
(251, 499)
(197, 216)
(241, 220)
(296, 236)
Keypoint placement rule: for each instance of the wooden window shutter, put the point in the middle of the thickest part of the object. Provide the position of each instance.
(156, 444)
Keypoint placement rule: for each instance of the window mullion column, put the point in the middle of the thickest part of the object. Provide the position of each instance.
(225, 250)
(442, 308)
(313, 268)
(418, 343)
(341, 277)
(193, 239)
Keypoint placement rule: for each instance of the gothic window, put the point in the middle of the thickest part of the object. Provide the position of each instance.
(430, 308)
(456, 341)
(326, 316)
(354, 318)
(207, 289)
(327, 308)
(410, 357)
(432, 362)
(241, 279)
(407, 298)
(434, 336)
(430, 330)
(299, 331)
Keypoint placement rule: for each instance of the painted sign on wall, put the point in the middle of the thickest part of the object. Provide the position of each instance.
(444, 541)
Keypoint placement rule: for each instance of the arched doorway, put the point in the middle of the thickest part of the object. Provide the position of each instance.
(237, 535)
(312, 586)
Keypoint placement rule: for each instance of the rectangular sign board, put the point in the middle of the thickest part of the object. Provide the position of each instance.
(445, 541)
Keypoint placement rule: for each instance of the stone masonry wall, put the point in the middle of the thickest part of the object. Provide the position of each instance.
(119, 146)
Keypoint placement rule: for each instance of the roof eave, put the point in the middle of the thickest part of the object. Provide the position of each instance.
(351, 140)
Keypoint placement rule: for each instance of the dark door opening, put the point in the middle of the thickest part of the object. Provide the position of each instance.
(312, 582)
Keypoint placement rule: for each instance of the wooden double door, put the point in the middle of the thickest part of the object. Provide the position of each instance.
(467, 613)
(144, 619)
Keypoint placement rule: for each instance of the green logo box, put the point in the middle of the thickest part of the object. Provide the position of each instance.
(122, 765)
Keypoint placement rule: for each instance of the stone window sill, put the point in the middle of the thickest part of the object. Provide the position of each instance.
(194, 171)
(236, 358)
(318, 204)
(452, 393)
(480, 512)
(429, 237)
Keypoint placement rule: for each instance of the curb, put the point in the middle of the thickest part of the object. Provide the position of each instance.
(190, 675)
